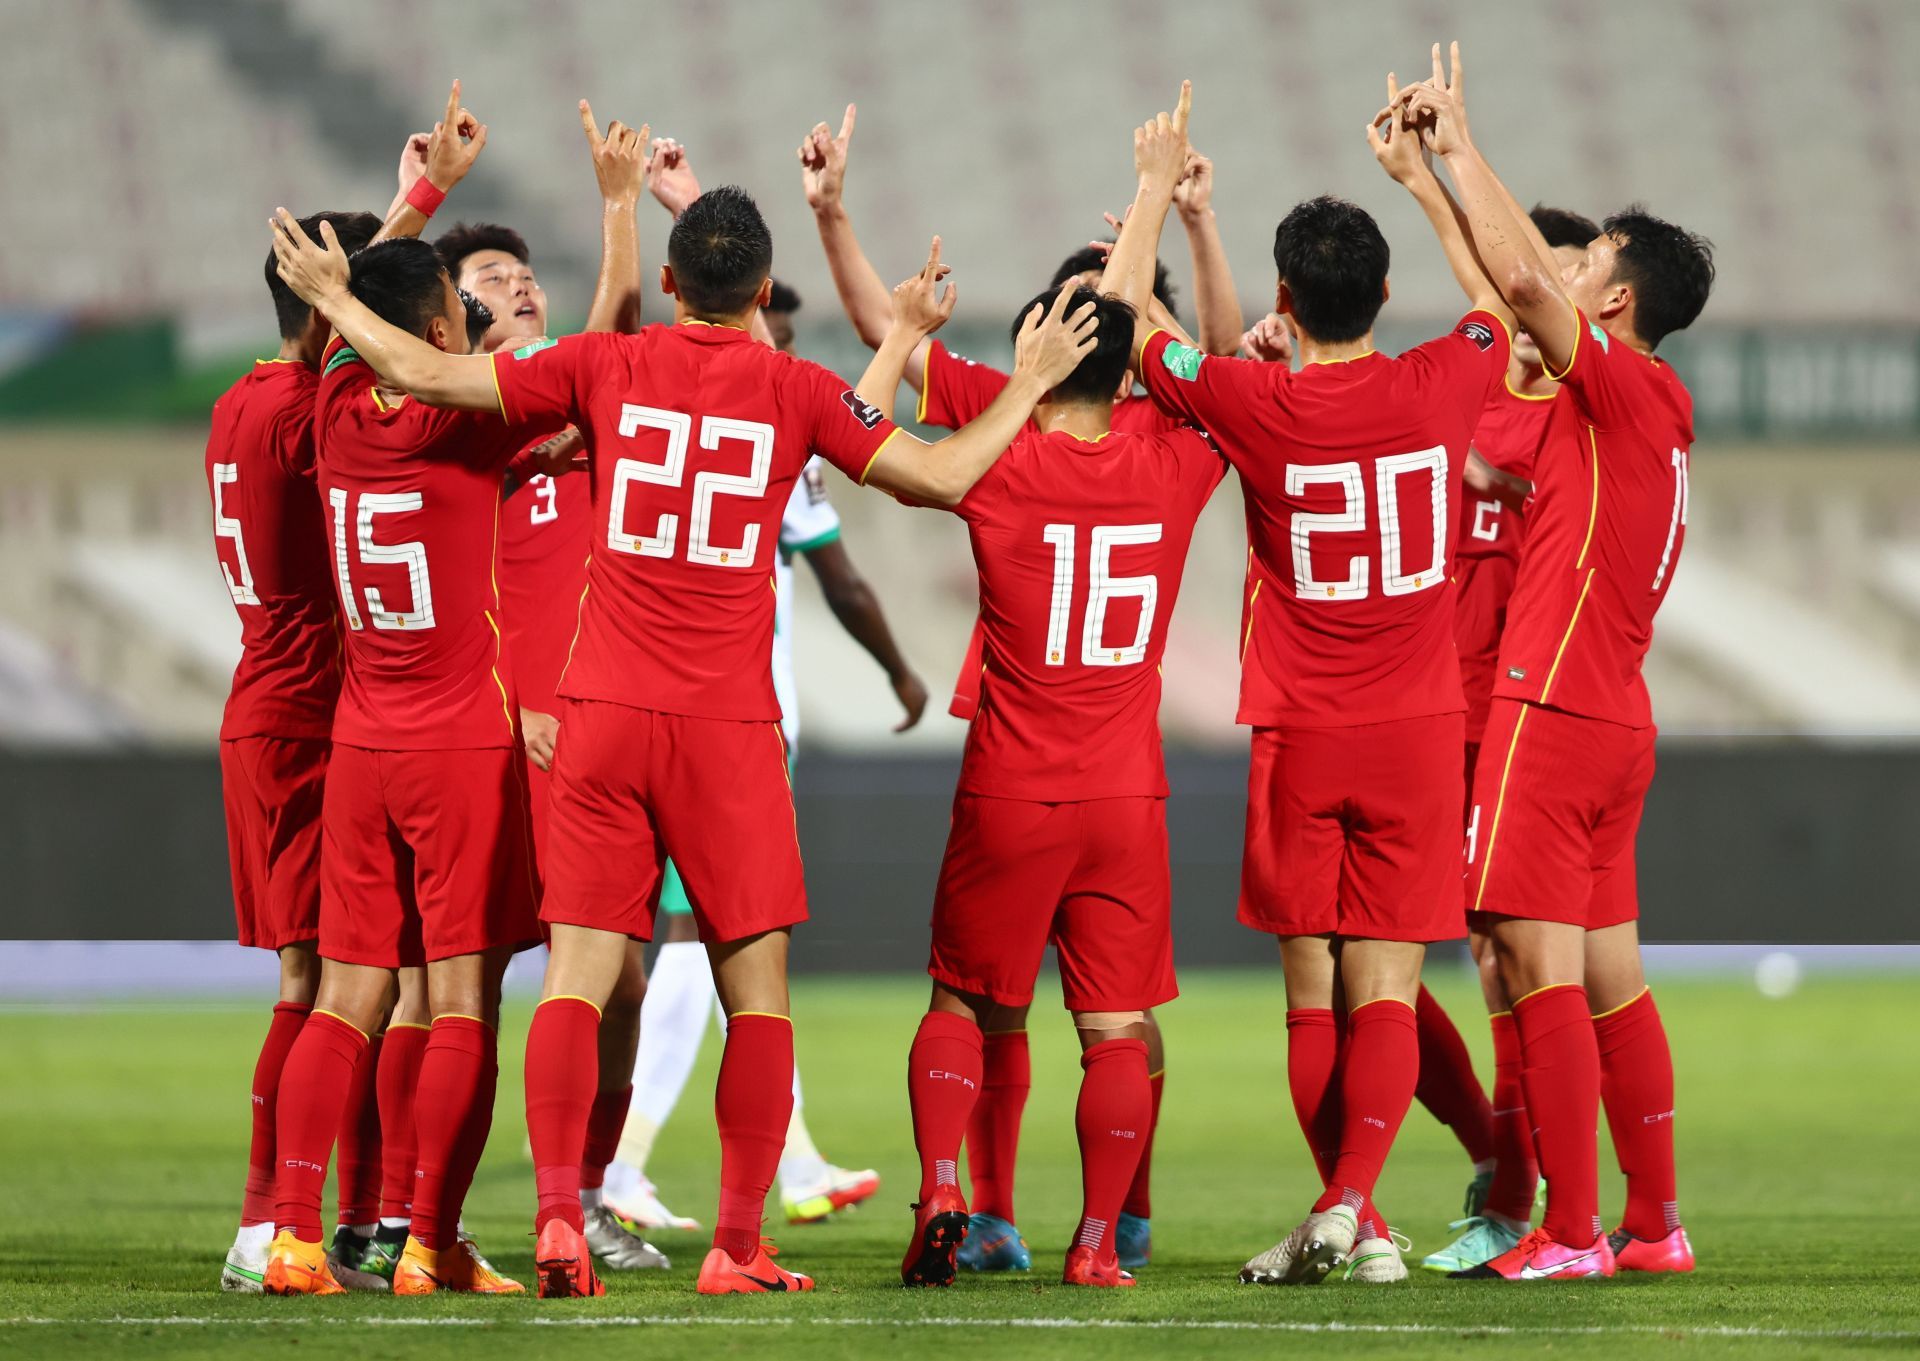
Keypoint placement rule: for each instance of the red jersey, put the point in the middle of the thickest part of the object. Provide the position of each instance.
(546, 525)
(1508, 437)
(270, 537)
(1348, 471)
(695, 434)
(956, 390)
(1080, 547)
(1608, 519)
(413, 493)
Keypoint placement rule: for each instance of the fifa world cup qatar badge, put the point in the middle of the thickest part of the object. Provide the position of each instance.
(1478, 332)
(863, 411)
(1182, 361)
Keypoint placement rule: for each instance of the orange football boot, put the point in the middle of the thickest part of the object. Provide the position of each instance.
(721, 1275)
(1086, 1267)
(564, 1264)
(939, 1228)
(297, 1268)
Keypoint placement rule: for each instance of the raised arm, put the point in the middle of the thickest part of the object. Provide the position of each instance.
(430, 166)
(1159, 158)
(917, 309)
(1050, 346)
(619, 164)
(318, 274)
(1158, 317)
(1218, 307)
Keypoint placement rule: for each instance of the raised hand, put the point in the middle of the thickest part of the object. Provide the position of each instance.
(823, 163)
(619, 157)
(1160, 144)
(1395, 140)
(1438, 106)
(413, 160)
(919, 303)
(315, 273)
(670, 175)
(1269, 340)
(454, 144)
(1052, 342)
(1193, 195)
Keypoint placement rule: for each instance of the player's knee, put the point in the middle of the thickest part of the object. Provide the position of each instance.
(299, 974)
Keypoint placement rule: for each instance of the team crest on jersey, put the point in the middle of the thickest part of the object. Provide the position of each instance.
(530, 350)
(1478, 332)
(1182, 361)
(863, 411)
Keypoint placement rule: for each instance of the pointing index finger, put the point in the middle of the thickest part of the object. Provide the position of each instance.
(591, 125)
(453, 105)
(846, 124)
(1183, 108)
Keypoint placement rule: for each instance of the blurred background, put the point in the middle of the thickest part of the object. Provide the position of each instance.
(143, 143)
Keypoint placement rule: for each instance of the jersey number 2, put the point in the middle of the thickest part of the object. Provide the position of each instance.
(1102, 588)
(671, 471)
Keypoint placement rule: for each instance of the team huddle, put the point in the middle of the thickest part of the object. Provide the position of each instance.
(514, 610)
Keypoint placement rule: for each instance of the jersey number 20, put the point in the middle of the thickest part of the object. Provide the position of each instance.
(1102, 589)
(1352, 518)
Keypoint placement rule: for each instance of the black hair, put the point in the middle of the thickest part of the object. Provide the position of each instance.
(720, 251)
(462, 239)
(1563, 227)
(1333, 260)
(1087, 258)
(1669, 269)
(479, 318)
(402, 282)
(354, 230)
(783, 299)
(1097, 378)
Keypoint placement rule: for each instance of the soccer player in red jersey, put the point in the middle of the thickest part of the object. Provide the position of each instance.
(1349, 676)
(1080, 534)
(1569, 748)
(669, 743)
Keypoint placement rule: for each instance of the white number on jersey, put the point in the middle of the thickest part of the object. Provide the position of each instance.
(1679, 520)
(1486, 520)
(671, 471)
(412, 554)
(546, 500)
(226, 526)
(1102, 588)
(1352, 518)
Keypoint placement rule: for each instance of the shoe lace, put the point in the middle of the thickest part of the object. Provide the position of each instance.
(1470, 1223)
(1399, 1240)
(767, 1246)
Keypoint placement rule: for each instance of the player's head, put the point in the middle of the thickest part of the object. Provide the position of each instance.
(492, 263)
(719, 256)
(1104, 373)
(403, 283)
(782, 302)
(1333, 269)
(1089, 264)
(1566, 234)
(353, 230)
(1650, 276)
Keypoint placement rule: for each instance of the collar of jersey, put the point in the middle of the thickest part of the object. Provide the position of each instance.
(1087, 443)
(711, 330)
(1336, 363)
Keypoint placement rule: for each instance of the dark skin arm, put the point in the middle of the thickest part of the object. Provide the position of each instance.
(858, 609)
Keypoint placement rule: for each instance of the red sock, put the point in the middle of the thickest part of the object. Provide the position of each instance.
(1448, 1086)
(752, 1104)
(563, 1069)
(395, 1082)
(943, 1086)
(1561, 1073)
(313, 1091)
(1113, 1119)
(1378, 1073)
(1636, 1082)
(1139, 1201)
(993, 1132)
(446, 1110)
(357, 1164)
(256, 1206)
(1515, 1173)
(1313, 1057)
(604, 1123)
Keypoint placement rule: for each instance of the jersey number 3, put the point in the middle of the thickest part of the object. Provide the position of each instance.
(1102, 589)
(671, 471)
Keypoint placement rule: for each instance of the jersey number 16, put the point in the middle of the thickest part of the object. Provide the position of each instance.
(1102, 589)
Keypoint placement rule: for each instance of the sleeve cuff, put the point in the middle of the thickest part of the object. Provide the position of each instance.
(892, 435)
(1579, 326)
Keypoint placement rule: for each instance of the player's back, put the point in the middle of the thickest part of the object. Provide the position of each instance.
(1080, 546)
(413, 495)
(695, 436)
(270, 539)
(545, 527)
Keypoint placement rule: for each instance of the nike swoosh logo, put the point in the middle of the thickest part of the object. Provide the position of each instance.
(1530, 1272)
(775, 1284)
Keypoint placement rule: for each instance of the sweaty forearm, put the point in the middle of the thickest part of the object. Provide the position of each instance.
(616, 295)
(866, 300)
(880, 384)
(408, 362)
(1220, 319)
(1130, 267)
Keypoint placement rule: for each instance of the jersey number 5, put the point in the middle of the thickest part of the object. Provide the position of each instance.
(413, 555)
(1351, 518)
(671, 471)
(226, 526)
(1102, 588)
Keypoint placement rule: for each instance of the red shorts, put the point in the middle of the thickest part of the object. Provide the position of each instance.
(1557, 803)
(539, 802)
(1090, 878)
(1481, 589)
(428, 856)
(272, 787)
(634, 786)
(1355, 831)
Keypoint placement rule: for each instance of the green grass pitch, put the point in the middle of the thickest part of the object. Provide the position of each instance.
(123, 1145)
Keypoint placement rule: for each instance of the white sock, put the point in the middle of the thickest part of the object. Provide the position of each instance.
(590, 1197)
(800, 1162)
(391, 1222)
(360, 1230)
(673, 1021)
(254, 1238)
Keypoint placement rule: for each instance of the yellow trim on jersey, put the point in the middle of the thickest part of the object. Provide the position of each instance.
(1610, 1011)
(926, 385)
(1579, 325)
(1376, 1002)
(1350, 359)
(770, 1015)
(579, 608)
(407, 1025)
(378, 405)
(276, 361)
(1567, 637)
(322, 1011)
(1513, 391)
(876, 454)
(1252, 600)
(1499, 803)
(458, 1016)
(1593, 507)
(567, 997)
(1140, 355)
(1494, 1016)
(1548, 988)
(1487, 311)
(716, 325)
(493, 368)
(1161, 1072)
(506, 702)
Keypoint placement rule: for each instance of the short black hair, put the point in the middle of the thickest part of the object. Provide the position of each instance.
(1333, 259)
(720, 251)
(783, 298)
(1563, 227)
(1087, 258)
(354, 230)
(402, 282)
(462, 239)
(1098, 376)
(479, 317)
(1669, 269)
